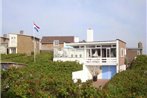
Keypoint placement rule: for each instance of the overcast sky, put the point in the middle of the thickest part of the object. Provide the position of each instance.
(110, 19)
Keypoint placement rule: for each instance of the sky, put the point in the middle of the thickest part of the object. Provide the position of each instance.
(110, 19)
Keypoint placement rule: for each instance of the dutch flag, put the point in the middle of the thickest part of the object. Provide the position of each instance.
(36, 27)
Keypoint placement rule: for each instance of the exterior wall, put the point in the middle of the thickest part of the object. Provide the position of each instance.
(49, 46)
(12, 40)
(3, 45)
(4, 40)
(84, 75)
(3, 49)
(131, 54)
(122, 47)
(26, 44)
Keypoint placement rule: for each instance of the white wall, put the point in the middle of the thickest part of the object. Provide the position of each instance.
(89, 35)
(76, 39)
(122, 67)
(83, 75)
(12, 40)
(79, 60)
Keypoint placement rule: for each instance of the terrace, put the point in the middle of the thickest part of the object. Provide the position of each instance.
(88, 54)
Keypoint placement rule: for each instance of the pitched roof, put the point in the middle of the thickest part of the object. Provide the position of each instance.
(62, 39)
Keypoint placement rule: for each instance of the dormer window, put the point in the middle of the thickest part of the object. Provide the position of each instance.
(56, 42)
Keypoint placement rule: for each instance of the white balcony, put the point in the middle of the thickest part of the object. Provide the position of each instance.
(84, 56)
(100, 61)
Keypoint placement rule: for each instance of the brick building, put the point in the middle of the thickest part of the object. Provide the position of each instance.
(49, 42)
(20, 43)
(133, 52)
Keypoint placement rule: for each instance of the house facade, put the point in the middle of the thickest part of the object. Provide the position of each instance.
(20, 43)
(134, 52)
(4, 45)
(102, 59)
(49, 42)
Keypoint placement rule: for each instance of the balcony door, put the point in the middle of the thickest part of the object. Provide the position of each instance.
(107, 52)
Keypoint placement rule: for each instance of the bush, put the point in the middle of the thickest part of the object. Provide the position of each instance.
(43, 78)
(130, 83)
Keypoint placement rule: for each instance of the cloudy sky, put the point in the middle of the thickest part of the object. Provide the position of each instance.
(110, 19)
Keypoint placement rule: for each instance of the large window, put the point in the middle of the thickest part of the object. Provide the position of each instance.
(113, 52)
(104, 52)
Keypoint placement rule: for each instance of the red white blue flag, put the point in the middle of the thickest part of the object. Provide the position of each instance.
(36, 27)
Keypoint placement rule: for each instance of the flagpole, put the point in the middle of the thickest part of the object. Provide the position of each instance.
(36, 28)
(34, 44)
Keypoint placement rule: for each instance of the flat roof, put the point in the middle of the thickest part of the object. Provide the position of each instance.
(25, 35)
(94, 42)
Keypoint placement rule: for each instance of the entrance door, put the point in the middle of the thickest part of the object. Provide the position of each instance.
(108, 71)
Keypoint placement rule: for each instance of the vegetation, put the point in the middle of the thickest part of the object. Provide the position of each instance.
(131, 83)
(47, 79)
(43, 78)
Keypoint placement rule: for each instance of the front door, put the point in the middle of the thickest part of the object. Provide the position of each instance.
(108, 71)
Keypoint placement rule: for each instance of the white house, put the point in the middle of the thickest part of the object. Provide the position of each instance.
(102, 59)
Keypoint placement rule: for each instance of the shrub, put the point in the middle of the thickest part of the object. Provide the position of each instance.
(130, 83)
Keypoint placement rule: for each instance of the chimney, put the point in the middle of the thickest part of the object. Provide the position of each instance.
(5, 35)
(21, 32)
(89, 35)
(76, 39)
(140, 45)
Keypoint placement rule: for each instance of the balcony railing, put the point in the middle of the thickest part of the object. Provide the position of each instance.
(68, 53)
(78, 55)
(99, 61)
